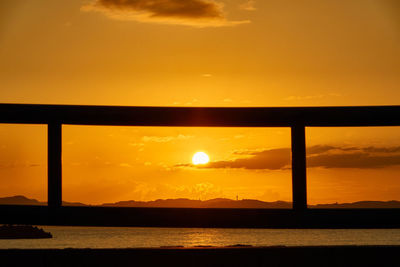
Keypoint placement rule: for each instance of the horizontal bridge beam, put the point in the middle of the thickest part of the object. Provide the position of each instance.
(201, 117)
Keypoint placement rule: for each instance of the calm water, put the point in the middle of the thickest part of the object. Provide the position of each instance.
(99, 237)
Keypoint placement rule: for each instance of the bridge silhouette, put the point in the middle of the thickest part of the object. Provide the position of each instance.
(297, 118)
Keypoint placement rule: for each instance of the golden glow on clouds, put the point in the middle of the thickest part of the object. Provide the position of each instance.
(109, 164)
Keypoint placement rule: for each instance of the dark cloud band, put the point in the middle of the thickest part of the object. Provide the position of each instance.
(323, 156)
(201, 13)
(167, 8)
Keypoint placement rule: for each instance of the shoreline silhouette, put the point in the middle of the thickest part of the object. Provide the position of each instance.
(211, 203)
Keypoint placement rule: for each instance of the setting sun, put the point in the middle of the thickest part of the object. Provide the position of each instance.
(200, 158)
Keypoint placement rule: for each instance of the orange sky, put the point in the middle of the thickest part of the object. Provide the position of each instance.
(200, 53)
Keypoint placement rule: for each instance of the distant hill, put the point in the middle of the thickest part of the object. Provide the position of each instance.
(212, 203)
(393, 204)
(22, 200)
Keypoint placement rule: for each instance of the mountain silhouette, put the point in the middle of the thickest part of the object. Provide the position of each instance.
(212, 203)
(22, 200)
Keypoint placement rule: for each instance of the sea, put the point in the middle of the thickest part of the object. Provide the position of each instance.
(133, 237)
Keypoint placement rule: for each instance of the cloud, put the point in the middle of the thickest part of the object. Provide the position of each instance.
(165, 139)
(324, 156)
(319, 149)
(395, 149)
(292, 97)
(18, 164)
(204, 190)
(309, 97)
(136, 144)
(274, 159)
(355, 157)
(358, 160)
(124, 164)
(197, 13)
(249, 5)
(34, 165)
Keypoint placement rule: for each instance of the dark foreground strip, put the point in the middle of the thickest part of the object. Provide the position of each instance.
(203, 218)
(202, 257)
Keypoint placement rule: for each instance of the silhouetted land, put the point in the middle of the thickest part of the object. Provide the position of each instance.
(212, 203)
(212, 213)
(22, 232)
(22, 200)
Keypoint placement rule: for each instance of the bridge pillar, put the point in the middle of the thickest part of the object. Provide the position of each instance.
(54, 171)
(299, 172)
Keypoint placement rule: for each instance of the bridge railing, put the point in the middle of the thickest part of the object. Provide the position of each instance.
(297, 118)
